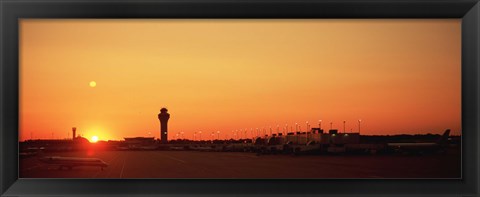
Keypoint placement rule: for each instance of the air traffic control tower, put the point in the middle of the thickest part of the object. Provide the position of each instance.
(163, 116)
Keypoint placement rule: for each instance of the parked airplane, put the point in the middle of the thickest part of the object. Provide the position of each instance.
(238, 147)
(70, 162)
(202, 148)
(270, 145)
(176, 148)
(310, 148)
(423, 147)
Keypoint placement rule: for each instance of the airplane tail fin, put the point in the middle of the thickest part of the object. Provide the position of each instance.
(444, 139)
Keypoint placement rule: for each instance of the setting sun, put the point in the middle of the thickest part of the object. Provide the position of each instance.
(94, 139)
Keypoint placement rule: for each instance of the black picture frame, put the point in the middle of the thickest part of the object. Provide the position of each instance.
(13, 10)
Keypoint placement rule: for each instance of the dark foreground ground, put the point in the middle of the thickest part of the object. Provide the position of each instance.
(192, 164)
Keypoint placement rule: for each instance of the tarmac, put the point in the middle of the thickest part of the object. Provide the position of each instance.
(195, 164)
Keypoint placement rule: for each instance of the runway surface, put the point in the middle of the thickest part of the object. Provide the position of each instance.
(193, 164)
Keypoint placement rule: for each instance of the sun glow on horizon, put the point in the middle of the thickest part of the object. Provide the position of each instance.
(94, 139)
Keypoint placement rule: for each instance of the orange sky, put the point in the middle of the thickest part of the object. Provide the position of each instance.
(398, 76)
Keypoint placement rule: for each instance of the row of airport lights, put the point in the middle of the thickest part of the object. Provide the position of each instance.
(198, 135)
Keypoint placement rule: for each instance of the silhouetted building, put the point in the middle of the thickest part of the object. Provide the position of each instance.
(163, 116)
(332, 131)
(139, 141)
(49, 145)
(316, 130)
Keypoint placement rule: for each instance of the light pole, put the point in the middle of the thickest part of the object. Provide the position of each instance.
(344, 126)
(218, 135)
(359, 121)
(320, 124)
(306, 133)
(331, 125)
(200, 133)
(296, 127)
